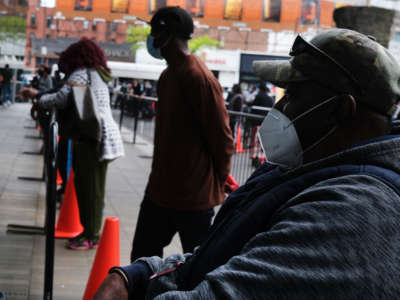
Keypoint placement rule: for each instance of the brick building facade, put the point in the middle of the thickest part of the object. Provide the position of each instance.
(238, 24)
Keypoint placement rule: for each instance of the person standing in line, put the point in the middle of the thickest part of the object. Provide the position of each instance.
(57, 80)
(45, 81)
(45, 85)
(250, 94)
(6, 85)
(90, 158)
(146, 105)
(262, 100)
(137, 87)
(235, 104)
(192, 145)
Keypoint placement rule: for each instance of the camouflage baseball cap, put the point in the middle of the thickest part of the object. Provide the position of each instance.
(344, 60)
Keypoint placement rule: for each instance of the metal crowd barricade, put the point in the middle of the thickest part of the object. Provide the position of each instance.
(132, 105)
(50, 162)
(51, 195)
(248, 151)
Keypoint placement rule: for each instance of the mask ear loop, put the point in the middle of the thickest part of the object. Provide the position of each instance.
(319, 140)
(323, 137)
(311, 109)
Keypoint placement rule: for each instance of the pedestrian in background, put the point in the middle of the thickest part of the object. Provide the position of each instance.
(6, 93)
(35, 82)
(137, 87)
(90, 158)
(192, 145)
(235, 104)
(258, 107)
(57, 80)
(45, 81)
(146, 105)
(250, 93)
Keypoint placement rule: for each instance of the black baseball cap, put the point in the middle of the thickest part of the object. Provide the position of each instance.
(174, 20)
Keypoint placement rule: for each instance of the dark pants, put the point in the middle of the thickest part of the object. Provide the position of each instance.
(6, 92)
(157, 225)
(90, 181)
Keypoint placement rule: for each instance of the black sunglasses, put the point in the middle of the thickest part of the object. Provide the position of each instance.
(300, 45)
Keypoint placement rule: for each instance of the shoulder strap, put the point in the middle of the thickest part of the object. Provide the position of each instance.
(73, 83)
(89, 78)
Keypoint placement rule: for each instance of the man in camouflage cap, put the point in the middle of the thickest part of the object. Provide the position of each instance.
(343, 60)
(320, 219)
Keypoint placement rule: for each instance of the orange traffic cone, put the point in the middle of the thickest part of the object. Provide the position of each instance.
(59, 179)
(69, 224)
(239, 147)
(107, 256)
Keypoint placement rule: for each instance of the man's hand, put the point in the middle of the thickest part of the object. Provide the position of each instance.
(112, 288)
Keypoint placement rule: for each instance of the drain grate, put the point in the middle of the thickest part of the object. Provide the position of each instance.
(146, 156)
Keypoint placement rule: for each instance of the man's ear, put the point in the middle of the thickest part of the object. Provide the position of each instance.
(346, 109)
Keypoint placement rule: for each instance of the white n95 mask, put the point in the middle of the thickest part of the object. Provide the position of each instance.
(280, 141)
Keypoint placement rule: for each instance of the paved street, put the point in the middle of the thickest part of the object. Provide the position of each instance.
(22, 256)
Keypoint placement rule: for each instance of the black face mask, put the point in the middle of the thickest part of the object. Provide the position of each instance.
(41, 73)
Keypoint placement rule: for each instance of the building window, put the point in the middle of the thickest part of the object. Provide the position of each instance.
(272, 10)
(233, 9)
(119, 6)
(195, 7)
(310, 11)
(86, 25)
(114, 26)
(33, 20)
(83, 4)
(156, 4)
(94, 27)
(48, 22)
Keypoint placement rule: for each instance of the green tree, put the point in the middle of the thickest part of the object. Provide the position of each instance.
(12, 27)
(136, 35)
(202, 41)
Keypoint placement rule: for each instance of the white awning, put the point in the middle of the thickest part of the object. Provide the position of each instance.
(135, 70)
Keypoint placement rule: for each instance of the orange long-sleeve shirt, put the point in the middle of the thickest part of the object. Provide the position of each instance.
(193, 143)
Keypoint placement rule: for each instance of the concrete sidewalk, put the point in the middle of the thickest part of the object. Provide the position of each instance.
(22, 257)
